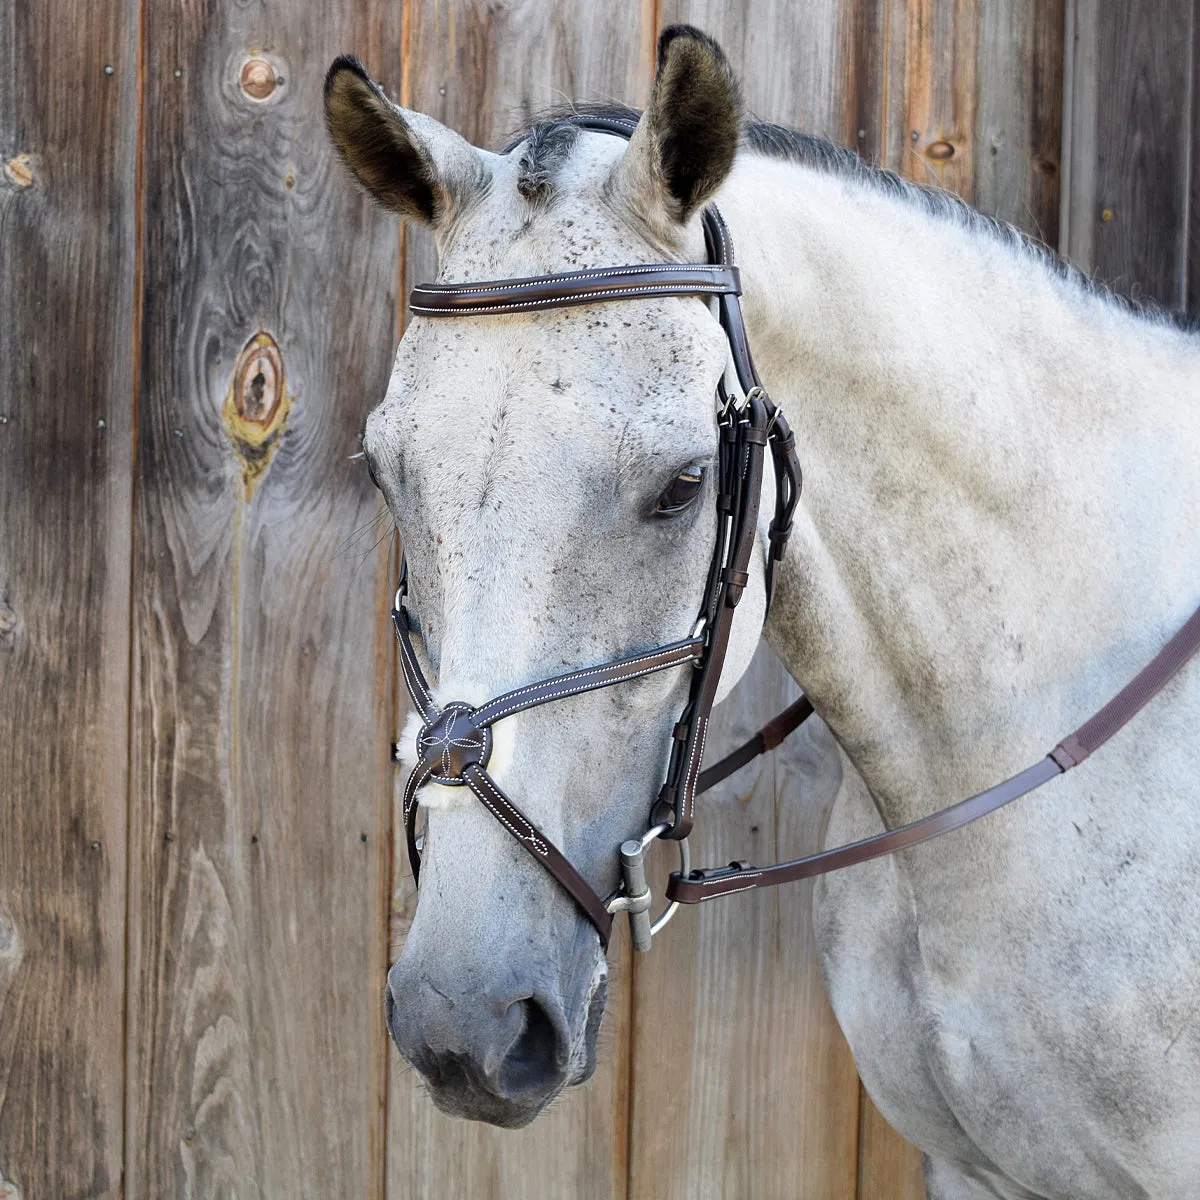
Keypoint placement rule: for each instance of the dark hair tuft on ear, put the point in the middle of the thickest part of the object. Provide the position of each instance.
(375, 144)
(698, 110)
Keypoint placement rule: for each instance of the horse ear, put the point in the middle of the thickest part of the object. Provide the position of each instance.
(406, 161)
(687, 138)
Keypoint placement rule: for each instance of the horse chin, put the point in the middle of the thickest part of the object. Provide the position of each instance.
(485, 1107)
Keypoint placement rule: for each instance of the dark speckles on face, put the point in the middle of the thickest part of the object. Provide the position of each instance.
(544, 438)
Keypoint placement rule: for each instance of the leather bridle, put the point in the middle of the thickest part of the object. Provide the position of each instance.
(454, 744)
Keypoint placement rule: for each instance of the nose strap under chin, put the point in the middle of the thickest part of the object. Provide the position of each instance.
(455, 743)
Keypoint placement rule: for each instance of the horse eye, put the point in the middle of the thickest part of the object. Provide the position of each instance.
(679, 493)
(374, 477)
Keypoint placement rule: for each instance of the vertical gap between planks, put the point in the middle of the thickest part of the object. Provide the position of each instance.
(1191, 235)
(652, 22)
(1066, 139)
(858, 1147)
(1185, 232)
(139, 207)
(394, 697)
(883, 85)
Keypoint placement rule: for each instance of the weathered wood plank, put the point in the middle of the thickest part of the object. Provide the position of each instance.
(483, 69)
(68, 142)
(786, 54)
(1125, 212)
(747, 1089)
(1018, 114)
(889, 1168)
(261, 782)
(963, 96)
(1193, 231)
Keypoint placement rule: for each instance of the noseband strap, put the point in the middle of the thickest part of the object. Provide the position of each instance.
(455, 743)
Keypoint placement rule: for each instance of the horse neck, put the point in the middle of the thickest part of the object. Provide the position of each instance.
(998, 521)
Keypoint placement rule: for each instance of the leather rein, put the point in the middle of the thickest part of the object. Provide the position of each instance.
(454, 744)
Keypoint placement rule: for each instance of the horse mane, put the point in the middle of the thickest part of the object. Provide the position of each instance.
(548, 137)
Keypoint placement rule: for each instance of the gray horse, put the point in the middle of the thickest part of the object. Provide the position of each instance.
(1000, 526)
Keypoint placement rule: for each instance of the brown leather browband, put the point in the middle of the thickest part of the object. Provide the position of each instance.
(574, 287)
(455, 741)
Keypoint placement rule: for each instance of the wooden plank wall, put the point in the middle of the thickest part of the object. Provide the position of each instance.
(198, 898)
(750, 1089)
(261, 706)
(483, 68)
(1133, 172)
(68, 151)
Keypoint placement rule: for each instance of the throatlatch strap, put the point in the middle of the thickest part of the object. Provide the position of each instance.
(767, 738)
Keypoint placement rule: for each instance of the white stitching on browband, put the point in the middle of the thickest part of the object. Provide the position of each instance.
(662, 289)
(484, 780)
(558, 695)
(465, 289)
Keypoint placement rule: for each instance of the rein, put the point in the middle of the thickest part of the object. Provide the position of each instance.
(454, 744)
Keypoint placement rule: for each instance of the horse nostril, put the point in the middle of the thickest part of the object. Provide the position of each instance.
(533, 1057)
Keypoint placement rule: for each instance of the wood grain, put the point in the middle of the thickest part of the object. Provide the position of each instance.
(483, 69)
(259, 752)
(1130, 102)
(749, 1089)
(889, 1168)
(743, 1085)
(68, 141)
(1193, 210)
(786, 53)
(962, 96)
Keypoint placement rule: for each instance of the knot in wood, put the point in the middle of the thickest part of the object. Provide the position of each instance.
(257, 78)
(450, 743)
(11, 953)
(18, 171)
(257, 406)
(8, 621)
(258, 380)
(940, 150)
